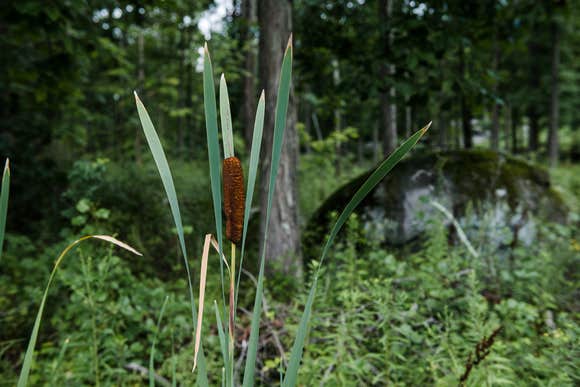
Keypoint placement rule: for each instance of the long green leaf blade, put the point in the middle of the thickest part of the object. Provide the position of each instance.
(27, 363)
(226, 119)
(279, 127)
(152, 354)
(167, 180)
(221, 334)
(252, 173)
(385, 167)
(213, 154)
(4, 202)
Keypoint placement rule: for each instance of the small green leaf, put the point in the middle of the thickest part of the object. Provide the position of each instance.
(83, 205)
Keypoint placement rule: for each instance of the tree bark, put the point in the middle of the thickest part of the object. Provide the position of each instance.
(442, 128)
(553, 146)
(514, 126)
(337, 119)
(408, 120)
(387, 93)
(534, 128)
(495, 108)
(248, 21)
(141, 81)
(465, 108)
(283, 242)
(534, 85)
(507, 125)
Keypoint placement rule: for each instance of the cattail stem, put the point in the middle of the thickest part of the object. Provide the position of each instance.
(232, 313)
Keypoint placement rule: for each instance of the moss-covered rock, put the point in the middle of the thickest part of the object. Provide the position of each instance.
(398, 209)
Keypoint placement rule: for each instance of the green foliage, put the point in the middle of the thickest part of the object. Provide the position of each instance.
(413, 320)
(409, 320)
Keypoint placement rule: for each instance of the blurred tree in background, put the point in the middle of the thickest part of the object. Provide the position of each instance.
(498, 74)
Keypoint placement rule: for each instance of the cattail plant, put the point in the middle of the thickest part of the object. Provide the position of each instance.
(236, 204)
(234, 198)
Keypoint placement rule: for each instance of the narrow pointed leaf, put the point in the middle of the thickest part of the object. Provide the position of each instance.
(279, 127)
(167, 180)
(221, 334)
(252, 173)
(213, 153)
(379, 173)
(226, 119)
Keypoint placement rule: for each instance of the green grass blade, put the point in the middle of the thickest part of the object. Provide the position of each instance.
(152, 354)
(251, 183)
(167, 180)
(226, 119)
(379, 173)
(279, 127)
(27, 363)
(213, 149)
(4, 202)
(54, 376)
(221, 334)
(173, 361)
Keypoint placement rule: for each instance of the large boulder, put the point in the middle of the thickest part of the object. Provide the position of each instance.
(469, 184)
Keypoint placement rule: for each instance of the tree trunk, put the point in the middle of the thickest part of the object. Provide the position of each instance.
(507, 125)
(337, 119)
(442, 128)
(495, 108)
(466, 123)
(534, 128)
(141, 81)
(387, 93)
(465, 108)
(283, 242)
(408, 120)
(534, 85)
(376, 152)
(248, 21)
(553, 151)
(514, 127)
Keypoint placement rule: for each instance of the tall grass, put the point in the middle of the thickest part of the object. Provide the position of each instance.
(210, 108)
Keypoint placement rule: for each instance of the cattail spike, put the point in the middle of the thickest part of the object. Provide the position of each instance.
(234, 198)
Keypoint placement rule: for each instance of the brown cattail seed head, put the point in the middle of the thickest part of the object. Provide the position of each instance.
(234, 198)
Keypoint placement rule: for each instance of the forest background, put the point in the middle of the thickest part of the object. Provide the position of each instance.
(497, 75)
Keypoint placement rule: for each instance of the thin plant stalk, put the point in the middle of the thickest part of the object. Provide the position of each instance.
(232, 312)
